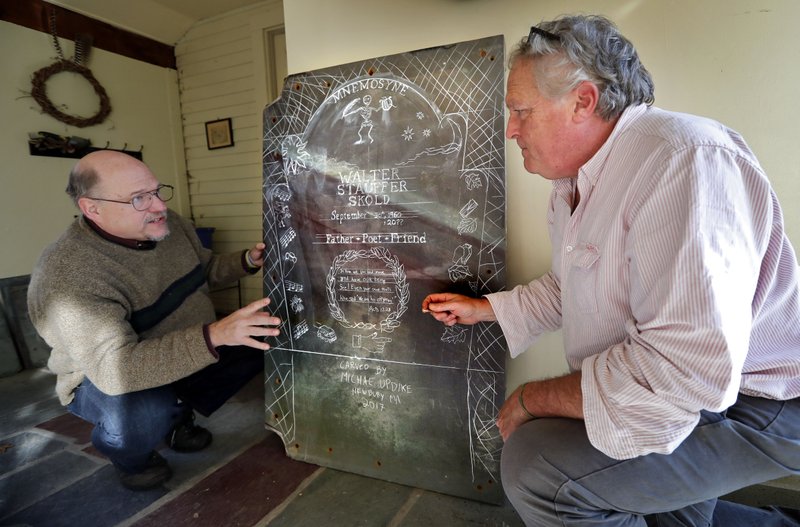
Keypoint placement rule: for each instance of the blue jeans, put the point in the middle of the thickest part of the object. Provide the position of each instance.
(128, 427)
(554, 476)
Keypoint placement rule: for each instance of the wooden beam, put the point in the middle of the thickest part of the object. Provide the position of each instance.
(35, 14)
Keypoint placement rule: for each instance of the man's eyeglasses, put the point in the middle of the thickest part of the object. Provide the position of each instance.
(542, 33)
(143, 201)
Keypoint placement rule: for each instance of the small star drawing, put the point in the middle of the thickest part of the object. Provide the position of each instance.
(408, 133)
(294, 154)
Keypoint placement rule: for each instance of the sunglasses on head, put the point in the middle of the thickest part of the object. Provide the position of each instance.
(542, 33)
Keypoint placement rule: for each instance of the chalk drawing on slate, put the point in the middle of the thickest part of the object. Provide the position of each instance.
(384, 181)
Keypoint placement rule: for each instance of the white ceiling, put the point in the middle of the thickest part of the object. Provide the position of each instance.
(162, 20)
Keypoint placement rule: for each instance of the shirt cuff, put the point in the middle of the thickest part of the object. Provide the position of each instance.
(207, 338)
(246, 265)
(517, 341)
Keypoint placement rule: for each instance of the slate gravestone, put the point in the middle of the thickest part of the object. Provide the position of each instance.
(383, 182)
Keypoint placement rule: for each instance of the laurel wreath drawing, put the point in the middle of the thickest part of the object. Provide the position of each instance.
(401, 287)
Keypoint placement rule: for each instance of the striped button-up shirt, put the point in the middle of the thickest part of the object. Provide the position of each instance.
(673, 280)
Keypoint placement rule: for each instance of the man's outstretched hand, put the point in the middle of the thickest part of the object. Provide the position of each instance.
(451, 309)
(240, 327)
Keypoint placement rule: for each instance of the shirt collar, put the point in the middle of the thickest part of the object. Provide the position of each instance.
(592, 168)
(145, 245)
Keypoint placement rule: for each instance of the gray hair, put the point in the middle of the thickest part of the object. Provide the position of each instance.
(588, 48)
(82, 180)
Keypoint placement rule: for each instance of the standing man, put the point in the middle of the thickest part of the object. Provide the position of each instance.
(676, 288)
(122, 299)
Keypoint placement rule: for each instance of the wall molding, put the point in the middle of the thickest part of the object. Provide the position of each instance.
(34, 14)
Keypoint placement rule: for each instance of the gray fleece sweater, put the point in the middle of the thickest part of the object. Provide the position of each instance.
(127, 318)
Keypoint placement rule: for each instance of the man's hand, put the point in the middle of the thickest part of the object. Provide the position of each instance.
(239, 328)
(451, 309)
(557, 397)
(256, 254)
(511, 414)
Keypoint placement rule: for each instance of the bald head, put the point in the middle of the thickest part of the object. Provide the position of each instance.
(98, 168)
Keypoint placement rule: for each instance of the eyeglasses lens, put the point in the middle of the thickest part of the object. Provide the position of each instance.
(164, 193)
(144, 200)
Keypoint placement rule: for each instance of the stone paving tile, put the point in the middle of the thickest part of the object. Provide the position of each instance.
(38, 481)
(341, 499)
(235, 427)
(68, 425)
(437, 509)
(24, 448)
(97, 500)
(241, 492)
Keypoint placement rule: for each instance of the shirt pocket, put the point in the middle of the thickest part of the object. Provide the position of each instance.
(584, 264)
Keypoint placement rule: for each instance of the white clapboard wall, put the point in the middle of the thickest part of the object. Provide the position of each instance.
(230, 67)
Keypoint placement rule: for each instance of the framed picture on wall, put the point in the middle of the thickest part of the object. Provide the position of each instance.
(219, 133)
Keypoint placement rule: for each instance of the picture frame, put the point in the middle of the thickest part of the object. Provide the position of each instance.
(219, 133)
